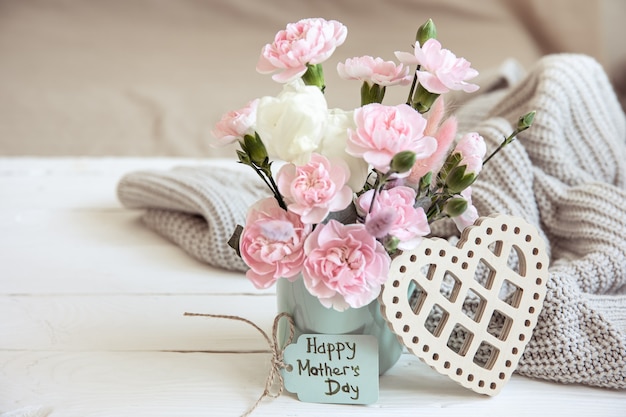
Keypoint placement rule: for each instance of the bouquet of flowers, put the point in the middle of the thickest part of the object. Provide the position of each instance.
(354, 186)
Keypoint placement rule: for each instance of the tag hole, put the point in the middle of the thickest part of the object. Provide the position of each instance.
(289, 368)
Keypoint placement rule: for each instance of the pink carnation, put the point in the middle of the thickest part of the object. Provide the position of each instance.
(383, 131)
(315, 189)
(272, 243)
(234, 125)
(393, 213)
(472, 148)
(309, 41)
(345, 266)
(439, 69)
(374, 71)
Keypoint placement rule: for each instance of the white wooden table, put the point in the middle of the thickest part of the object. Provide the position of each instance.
(91, 319)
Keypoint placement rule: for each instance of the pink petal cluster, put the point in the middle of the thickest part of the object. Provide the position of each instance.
(374, 71)
(444, 132)
(470, 215)
(439, 69)
(272, 243)
(472, 148)
(383, 131)
(308, 41)
(345, 266)
(393, 213)
(234, 125)
(315, 189)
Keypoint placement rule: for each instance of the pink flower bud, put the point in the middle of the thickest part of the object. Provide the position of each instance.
(234, 125)
(472, 148)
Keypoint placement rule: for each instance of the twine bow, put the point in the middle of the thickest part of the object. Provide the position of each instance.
(274, 384)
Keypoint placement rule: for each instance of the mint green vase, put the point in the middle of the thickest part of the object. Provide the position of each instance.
(311, 317)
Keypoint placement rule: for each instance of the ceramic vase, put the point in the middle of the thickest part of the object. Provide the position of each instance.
(311, 317)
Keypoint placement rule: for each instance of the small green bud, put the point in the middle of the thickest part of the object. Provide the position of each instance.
(458, 180)
(403, 161)
(526, 121)
(426, 32)
(455, 206)
(391, 244)
(255, 149)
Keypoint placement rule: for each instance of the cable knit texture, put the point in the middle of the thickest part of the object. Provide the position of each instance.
(566, 175)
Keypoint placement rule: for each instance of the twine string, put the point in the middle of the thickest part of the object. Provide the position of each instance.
(274, 384)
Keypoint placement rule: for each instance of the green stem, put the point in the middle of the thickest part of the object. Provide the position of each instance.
(409, 100)
(270, 184)
(277, 194)
(381, 179)
(504, 143)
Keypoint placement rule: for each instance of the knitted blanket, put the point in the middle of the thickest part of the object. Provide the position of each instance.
(566, 175)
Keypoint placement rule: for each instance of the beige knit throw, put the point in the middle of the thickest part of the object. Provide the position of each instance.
(566, 175)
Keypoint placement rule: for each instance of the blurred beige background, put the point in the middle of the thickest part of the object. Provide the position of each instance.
(150, 77)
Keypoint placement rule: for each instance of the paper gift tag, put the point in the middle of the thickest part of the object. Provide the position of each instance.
(462, 309)
(338, 369)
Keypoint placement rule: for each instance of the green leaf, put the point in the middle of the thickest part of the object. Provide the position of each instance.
(458, 180)
(243, 157)
(233, 242)
(345, 216)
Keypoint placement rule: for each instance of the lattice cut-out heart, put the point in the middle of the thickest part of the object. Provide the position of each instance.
(469, 310)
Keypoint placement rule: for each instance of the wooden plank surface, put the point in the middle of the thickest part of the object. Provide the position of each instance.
(92, 324)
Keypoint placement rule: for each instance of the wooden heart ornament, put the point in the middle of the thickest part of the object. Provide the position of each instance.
(469, 310)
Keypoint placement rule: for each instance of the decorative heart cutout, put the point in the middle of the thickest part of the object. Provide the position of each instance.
(462, 309)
